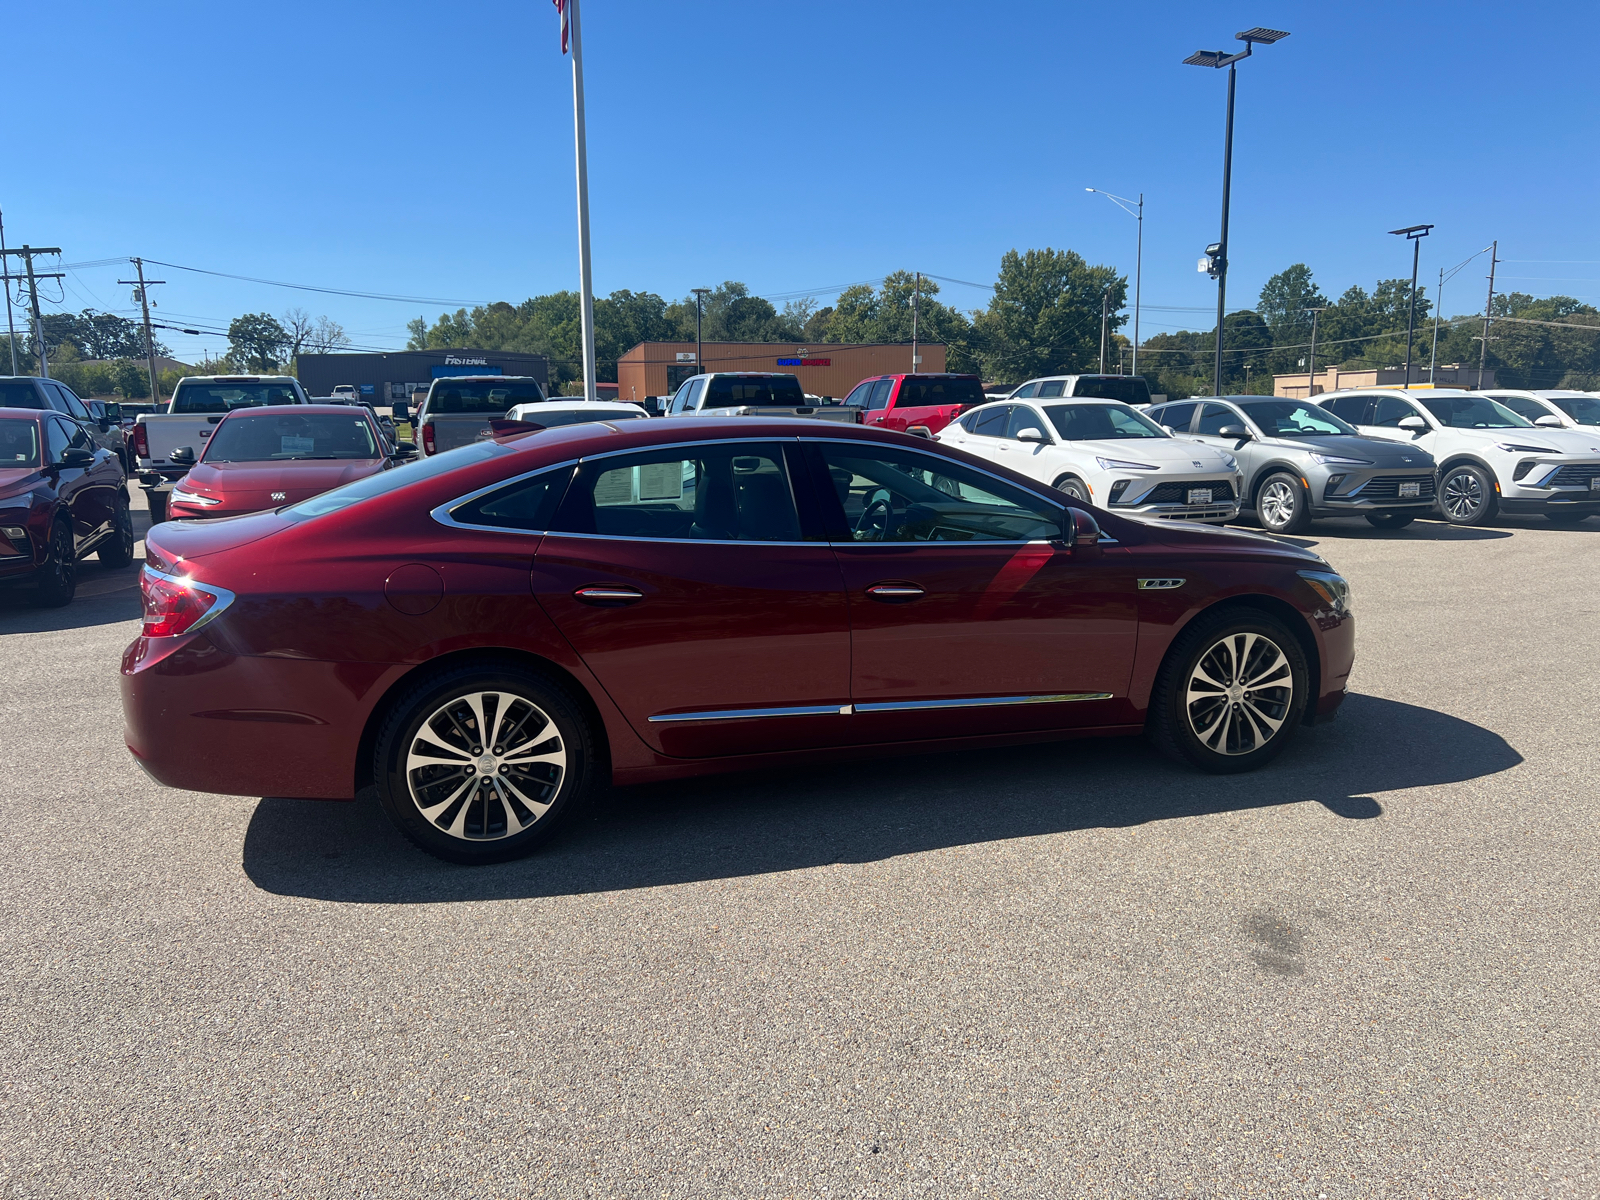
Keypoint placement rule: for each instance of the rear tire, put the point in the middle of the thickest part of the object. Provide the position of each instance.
(1389, 520)
(58, 575)
(158, 506)
(1209, 713)
(470, 799)
(1467, 496)
(117, 552)
(1071, 485)
(1282, 505)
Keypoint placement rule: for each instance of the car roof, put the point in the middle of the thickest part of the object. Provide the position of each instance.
(298, 410)
(28, 412)
(481, 378)
(1059, 400)
(240, 378)
(569, 402)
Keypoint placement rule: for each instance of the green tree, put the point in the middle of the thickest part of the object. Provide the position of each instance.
(1045, 315)
(258, 341)
(1285, 303)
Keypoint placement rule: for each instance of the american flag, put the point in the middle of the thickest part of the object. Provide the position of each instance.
(561, 7)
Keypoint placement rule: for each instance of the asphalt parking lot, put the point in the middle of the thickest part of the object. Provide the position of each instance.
(1077, 970)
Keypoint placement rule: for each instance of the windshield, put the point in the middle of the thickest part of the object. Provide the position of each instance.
(416, 471)
(275, 437)
(1293, 418)
(1585, 410)
(1101, 422)
(1473, 412)
(18, 393)
(931, 393)
(486, 396)
(777, 391)
(1130, 389)
(225, 397)
(19, 443)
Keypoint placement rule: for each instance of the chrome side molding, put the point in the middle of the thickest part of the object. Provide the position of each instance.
(882, 706)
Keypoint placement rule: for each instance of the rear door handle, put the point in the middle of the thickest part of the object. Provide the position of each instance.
(894, 593)
(607, 596)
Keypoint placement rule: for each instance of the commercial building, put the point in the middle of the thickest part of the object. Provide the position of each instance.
(1449, 375)
(825, 369)
(385, 378)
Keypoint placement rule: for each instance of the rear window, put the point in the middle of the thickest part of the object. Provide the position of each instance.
(776, 391)
(225, 397)
(19, 443)
(18, 393)
(1130, 389)
(483, 397)
(934, 393)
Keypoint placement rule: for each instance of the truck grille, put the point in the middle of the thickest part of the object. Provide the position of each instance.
(1387, 487)
(1178, 493)
(1578, 475)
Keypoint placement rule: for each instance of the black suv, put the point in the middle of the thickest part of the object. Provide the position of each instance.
(103, 422)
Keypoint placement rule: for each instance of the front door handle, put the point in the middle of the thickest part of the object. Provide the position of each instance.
(894, 593)
(608, 596)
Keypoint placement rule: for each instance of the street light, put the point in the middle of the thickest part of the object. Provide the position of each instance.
(1123, 202)
(1216, 58)
(699, 298)
(1413, 234)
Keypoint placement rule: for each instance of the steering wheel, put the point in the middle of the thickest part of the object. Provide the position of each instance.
(877, 517)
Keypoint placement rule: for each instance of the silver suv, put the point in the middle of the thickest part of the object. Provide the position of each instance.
(1300, 461)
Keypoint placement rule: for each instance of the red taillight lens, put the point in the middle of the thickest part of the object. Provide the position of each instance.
(427, 439)
(141, 441)
(174, 605)
(861, 416)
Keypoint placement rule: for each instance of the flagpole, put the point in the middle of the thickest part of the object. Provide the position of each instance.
(586, 276)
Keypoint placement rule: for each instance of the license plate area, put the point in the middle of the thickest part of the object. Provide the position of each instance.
(1199, 495)
(1594, 483)
(1409, 491)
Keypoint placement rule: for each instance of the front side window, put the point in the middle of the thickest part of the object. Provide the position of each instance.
(1026, 392)
(858, 397)
(1213, 417)
(736, 492)
(1585, 410)
(696, 386)
(1050, 388)
(1528, 410)
(19, 442)
(1473, 412)
(282, 436)
(204, 396)
(71, 405)
(58, 437)
(1295, 418)
(879, 396)
(1178, 416)
(1390, 411)
(989, 421)
(902, 496)
(1101, 422)
(80, 437)
(1024, 416)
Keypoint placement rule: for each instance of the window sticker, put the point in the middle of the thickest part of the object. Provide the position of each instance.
(298, 445)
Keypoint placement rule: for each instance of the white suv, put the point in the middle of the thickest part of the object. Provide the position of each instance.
(1490, 459)
(1104, 453)
(1555, 409)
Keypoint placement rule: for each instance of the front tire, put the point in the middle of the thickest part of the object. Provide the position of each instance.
(117, 552)
(1071, 485)
(1467, 496)
(1389, 520)
(58, 575)
(1282, 505)
(484, 765)
(1231, 692)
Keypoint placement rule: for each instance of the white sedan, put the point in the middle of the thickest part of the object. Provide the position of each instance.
(551, 413)
(1106, 453)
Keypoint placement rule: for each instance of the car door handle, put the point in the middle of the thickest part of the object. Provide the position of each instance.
(608, 595)
(894, 593)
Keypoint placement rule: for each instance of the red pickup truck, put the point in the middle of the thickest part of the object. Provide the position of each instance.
(916, 403)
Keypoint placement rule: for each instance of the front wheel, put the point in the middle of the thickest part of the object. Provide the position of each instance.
(117, 551)
(1467, 496)
(482, 765)
(1282, 505)
(1230, 693)
(1071, 485)
(1389, 520)
(58, 575)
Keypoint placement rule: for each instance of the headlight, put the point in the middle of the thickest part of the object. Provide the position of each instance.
(1340, 461)
(1334, 589)
(1116, 464)
(183, 497)
(1519, 448)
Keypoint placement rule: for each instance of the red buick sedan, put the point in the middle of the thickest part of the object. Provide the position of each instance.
(260, 458)
(489, 635)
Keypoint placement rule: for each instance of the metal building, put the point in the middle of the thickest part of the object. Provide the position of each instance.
(385, 378)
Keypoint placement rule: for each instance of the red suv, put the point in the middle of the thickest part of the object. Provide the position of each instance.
(922, 404)
(489, 634)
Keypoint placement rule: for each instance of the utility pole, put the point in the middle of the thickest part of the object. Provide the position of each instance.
(1105, 313)
(1311, 359)
(916, 359)
(1413, 234)
(11, 326)
(1438, 309)
(1488, 308)
(699, 351)
(149, 342)
(26, 253)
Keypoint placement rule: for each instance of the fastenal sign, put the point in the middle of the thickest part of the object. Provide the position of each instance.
(452, 360)
(685, 355)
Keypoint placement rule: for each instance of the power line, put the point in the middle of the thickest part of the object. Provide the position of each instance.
(307, 287)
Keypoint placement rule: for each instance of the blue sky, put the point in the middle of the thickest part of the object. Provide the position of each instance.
(426, 151)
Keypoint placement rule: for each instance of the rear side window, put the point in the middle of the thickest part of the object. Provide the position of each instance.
(1026, 391)
(936, 393)
(528, 504)
(1050, 388)
(20, 393)
(1353, 409)
(762, 391)
(1177, 416)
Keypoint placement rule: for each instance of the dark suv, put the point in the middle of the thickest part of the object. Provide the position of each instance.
(34, 391)
(61, 499)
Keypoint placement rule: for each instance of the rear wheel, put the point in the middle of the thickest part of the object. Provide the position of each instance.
(1467, 495)
(483, 765)
(1282, 505)
(158, 506)
(1072, 486)
(117, 551)
(58, 576)
(1389, 520)
(1231, 692)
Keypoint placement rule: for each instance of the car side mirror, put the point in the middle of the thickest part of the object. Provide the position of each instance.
(1414, 424)
(1549, 422)
(1173, 432)
(1030, 434)
(1084, 529)
(401, 411)
(183, 456)
(76, 456)
(1234, 431)
(404, 450)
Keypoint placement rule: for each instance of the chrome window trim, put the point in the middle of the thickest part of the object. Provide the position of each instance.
(883, 706)
(444, 513)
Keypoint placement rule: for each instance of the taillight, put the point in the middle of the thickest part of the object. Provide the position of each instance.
(174, 604)
(141, 440)
(861, 416)
(427, 440)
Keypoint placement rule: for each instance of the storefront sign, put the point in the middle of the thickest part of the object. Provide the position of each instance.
(685, 355)
(805, 362)
(451, 360)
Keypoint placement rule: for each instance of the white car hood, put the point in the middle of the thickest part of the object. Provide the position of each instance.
(1158, 452)
(1560, 441)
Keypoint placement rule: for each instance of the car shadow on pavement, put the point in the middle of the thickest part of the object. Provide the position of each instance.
(738, 825)
(118, 601)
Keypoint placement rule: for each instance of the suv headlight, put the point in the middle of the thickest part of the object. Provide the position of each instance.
(1519, 448)
(1334, 589)
(1117, 464)
(1338, 460)
(187, 497)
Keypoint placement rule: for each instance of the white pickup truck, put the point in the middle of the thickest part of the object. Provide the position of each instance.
(753, 394)
(166, 444)
(459, 407)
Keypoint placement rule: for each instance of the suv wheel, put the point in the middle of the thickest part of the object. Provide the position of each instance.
(1282, 505)
(483, 765)
(1230, 693)
(1072, 486)
(1467, 495)
(1389, 520)
(117, 551)
(58, 574)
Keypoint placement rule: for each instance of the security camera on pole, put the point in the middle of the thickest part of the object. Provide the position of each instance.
(571, 34)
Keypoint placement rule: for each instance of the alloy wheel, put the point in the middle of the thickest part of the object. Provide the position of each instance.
(480, 787)
(1239, 693)
(1074, 488)
(1277, 505)
(1462, 497)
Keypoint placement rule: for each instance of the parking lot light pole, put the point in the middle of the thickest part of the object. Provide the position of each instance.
(1413, 234)
(699, 299)
(1217, 59)
(1123, 202)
